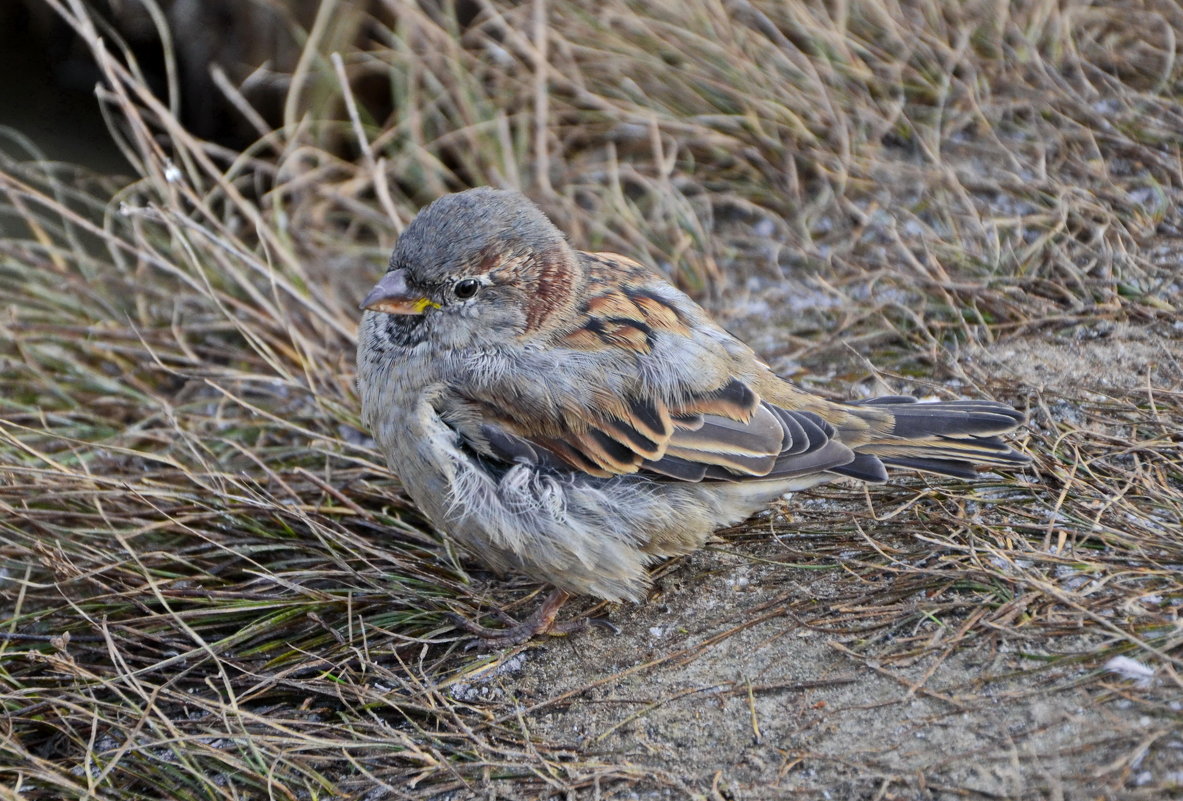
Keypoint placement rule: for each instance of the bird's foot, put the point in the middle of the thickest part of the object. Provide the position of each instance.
(542, 621)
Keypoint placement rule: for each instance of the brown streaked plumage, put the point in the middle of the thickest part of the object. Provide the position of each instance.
(573, 416)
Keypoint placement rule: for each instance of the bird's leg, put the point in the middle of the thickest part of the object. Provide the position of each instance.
(542, 621)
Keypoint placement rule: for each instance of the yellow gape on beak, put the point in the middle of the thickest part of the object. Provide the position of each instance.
(392, 296)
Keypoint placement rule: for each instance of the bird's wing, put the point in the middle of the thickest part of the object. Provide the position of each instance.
(644, 382)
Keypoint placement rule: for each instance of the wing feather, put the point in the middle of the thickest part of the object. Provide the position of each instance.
(716, 428)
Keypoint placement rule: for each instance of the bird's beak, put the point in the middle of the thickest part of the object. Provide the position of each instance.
(392, 296)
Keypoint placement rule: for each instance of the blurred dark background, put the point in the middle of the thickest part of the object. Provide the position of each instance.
(48, 94)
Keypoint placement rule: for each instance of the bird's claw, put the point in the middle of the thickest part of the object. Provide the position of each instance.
(541, 621)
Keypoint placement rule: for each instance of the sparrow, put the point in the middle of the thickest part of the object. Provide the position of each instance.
(574, 417)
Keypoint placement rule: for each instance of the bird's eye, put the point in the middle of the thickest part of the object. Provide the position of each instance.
(466, 288)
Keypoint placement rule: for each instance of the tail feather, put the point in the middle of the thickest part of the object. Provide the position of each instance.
(949, 438)
(951, 418)
(954, 468)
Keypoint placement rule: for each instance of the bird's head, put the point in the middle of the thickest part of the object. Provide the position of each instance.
(482, 266)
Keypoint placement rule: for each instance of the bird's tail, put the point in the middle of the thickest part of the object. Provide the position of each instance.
(949, 438)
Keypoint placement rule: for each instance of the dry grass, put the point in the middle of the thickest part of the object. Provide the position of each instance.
(210, 585)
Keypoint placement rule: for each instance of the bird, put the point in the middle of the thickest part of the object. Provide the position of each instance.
(574, 417)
